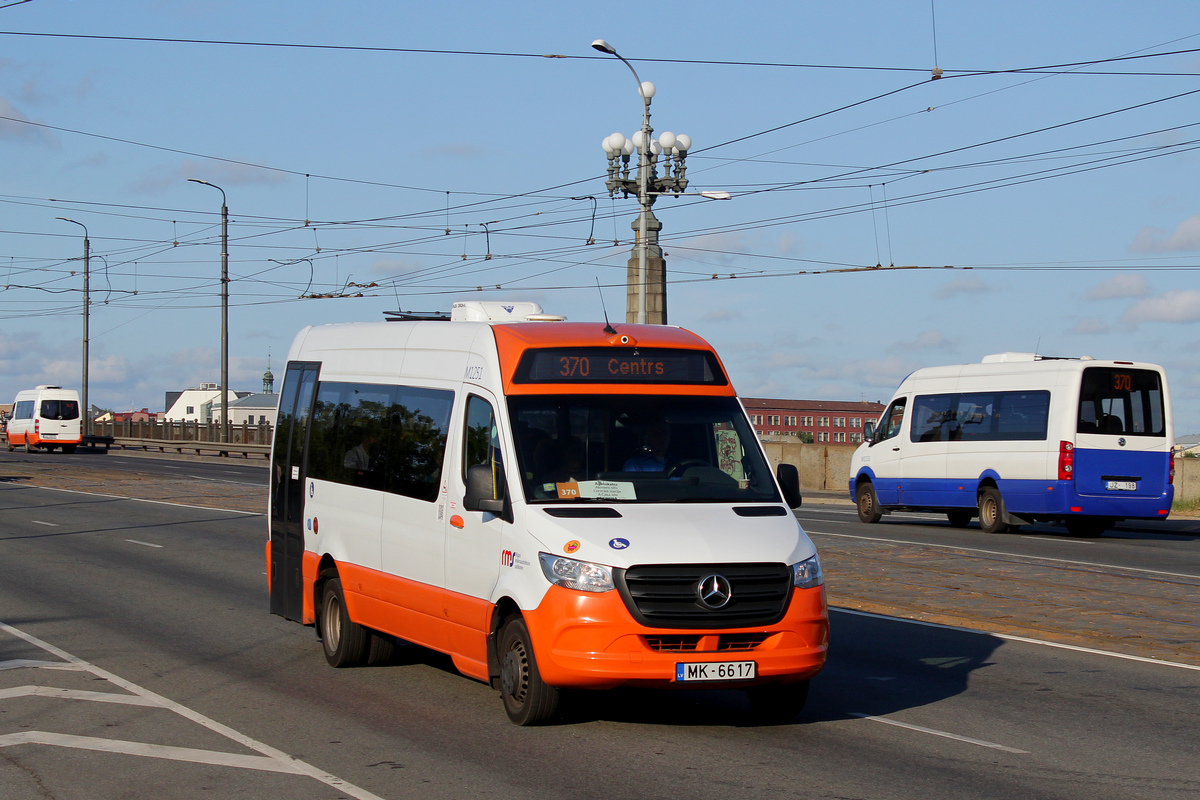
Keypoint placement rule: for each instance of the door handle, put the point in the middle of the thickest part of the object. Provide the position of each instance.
(895, 449)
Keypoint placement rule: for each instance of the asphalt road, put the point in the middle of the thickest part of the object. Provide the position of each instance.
(163, 610)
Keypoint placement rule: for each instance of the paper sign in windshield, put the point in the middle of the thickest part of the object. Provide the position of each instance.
(607, 490)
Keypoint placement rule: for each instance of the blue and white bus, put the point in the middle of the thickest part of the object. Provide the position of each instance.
(1022, 438)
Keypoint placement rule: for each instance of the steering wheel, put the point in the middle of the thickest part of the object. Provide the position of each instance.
(683, 465)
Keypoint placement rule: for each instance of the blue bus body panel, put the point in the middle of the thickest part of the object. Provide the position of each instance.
(1087, 495)
(1095, 468)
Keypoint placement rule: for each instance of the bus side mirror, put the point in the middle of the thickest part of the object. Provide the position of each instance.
(482, 494)
(789, 481)
(869, 432)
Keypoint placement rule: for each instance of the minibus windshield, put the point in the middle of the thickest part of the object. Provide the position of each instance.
(637, 448)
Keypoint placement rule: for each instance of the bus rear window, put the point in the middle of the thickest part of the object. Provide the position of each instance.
(60, 409)
(1128, 402)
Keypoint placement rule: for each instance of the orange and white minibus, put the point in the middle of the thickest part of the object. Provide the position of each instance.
(555, 505)
(45, 417)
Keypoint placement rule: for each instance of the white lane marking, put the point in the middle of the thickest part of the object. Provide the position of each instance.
(28, 663)
(47, 524)
(1001, 553)
(1023, 639)
(145, 544)
(74, 694)
(264, 763)
(943, 734)
(1056, 541)
(134, 499)
(286, 762)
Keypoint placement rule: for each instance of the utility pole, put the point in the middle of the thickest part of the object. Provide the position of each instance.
(224, 310)
(87, 409)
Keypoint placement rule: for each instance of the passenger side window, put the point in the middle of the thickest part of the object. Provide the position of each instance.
(934, 418)
(481, 443)
(892, 420)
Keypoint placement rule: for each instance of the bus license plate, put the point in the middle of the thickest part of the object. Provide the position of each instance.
(716, 671)
(1122, 486)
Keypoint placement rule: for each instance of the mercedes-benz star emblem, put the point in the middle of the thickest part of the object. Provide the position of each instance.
(714, 591)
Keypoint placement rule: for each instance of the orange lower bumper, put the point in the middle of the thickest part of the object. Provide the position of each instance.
(585, 640)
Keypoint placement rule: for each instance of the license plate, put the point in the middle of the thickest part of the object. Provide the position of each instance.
(1122, 486)
(716, 671)
(49, 435)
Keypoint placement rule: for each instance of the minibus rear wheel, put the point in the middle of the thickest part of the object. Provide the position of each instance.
(960, 518)
(868, 503)
(346, 643)
(527, 699)
(28, 447)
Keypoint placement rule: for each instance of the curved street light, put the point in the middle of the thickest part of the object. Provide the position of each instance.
(87, 409)
(224, 310)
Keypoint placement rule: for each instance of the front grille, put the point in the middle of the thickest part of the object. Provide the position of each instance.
(673, 644)
(741, 641)
(665, 595)
(712, 643)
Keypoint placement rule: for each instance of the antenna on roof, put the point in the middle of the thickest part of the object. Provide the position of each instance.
(608, 328)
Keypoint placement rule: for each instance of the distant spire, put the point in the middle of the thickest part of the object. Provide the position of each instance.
(268, 378)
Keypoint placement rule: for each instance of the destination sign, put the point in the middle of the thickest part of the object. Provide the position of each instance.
(625, 365)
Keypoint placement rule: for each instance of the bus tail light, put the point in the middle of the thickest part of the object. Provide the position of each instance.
(1066, 461)
(1171, 474)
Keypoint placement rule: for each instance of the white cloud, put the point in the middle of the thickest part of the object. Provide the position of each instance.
(222, 174)
(1120, 286)
(18, 127)
(721, 315)
(1186, 236)
(1180, 305)
(929, 340)
(971, 285)
(1090, 326)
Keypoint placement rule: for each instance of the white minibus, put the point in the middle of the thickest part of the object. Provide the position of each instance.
(1022, 438)
(555, 505)
(45, 417)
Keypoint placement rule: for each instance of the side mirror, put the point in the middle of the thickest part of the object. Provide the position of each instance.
(482, 494)
(869, 432)
(789, 481)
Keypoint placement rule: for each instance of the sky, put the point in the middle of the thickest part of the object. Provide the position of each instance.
(1041, 196)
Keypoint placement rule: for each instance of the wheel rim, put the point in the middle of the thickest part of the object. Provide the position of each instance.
(864, 502)
(332, 623)
(514, 676)
(987, 512)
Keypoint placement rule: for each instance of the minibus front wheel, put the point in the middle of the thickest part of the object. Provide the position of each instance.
(528, 700)
(868, 503)
(991, 511)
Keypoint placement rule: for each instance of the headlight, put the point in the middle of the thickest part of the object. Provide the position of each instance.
(572, 574)
(807, 574)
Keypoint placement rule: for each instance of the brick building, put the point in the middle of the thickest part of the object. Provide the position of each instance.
(827, 420)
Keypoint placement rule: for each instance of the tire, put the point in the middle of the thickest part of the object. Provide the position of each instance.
(1086, 527)
(960, 518)
(28, 447)
(527, 700)
(346, 643)
(991, 511)
(868, 503)
(778, 702)
(380, 650)
(11, 446)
